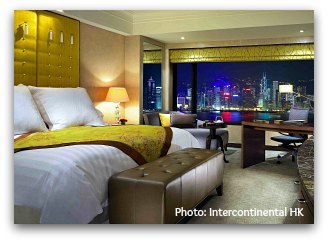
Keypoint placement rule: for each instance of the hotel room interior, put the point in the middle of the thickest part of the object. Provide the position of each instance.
(148, 116)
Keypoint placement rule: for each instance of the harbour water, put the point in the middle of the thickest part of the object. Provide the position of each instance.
(235, 117)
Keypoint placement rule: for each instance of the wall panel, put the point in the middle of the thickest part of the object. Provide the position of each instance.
(25, 47)
(57, 62)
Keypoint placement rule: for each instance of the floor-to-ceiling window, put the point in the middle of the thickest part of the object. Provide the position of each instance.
(243, 91)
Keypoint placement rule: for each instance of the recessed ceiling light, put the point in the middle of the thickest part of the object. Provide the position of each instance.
(182, 37)
(301, 31)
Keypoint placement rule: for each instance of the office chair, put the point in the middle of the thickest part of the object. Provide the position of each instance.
(290, 141)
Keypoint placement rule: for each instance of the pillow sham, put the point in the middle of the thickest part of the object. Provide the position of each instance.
(27, 117)
(183, 121)
(165, 119)
(65, 107)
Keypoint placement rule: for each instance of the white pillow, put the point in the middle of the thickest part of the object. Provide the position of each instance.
(26, 114)
(65, 107)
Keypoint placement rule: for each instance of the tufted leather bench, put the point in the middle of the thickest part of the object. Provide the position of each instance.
(151, 192)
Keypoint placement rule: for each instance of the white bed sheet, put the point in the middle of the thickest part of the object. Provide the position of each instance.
(69, 184)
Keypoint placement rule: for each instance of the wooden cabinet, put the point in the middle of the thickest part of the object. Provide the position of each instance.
(305, 164)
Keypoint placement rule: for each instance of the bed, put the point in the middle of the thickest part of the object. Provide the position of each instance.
(67, 184)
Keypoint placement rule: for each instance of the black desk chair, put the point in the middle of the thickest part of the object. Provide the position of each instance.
(292, 141)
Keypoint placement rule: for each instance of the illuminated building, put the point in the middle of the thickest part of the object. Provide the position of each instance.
(151, 94)
(263, 99)
(235, 96)
(249, 100)
(158, 98)
(275, 87)
(217, 98)
(181, 101)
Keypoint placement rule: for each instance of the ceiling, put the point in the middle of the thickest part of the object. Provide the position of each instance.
(168, 26)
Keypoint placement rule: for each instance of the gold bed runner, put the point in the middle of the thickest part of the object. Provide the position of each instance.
(142, 143)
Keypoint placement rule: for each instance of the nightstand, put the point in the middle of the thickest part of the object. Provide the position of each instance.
(213, 128)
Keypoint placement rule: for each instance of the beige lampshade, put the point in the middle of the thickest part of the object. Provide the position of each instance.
(286, 88)
(117, 95)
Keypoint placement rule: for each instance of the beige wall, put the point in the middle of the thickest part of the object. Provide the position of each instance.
(107, 60)
(102, 65)
(133, 78)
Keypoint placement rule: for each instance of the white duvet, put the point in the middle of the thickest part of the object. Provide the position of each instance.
(69, 184)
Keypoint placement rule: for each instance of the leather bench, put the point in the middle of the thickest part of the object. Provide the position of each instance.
(149, 194)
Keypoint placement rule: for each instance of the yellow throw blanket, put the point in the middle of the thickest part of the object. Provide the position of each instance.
(142, 143)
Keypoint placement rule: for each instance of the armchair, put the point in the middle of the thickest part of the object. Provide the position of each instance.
(200, 134)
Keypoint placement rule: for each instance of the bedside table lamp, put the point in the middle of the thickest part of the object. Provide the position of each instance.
(117, 95)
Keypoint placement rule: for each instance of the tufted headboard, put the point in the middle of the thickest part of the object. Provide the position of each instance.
(46, 49)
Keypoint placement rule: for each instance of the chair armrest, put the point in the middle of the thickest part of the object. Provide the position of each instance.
(285, 134)
(199, 122)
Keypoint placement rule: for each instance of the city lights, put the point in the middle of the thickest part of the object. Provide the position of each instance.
(256, 92)
(236, 87)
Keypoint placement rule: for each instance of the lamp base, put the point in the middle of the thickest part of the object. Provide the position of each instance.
(117, 113)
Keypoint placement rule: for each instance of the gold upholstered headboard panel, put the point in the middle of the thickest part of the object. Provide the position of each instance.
(25, 48)
(46, 49)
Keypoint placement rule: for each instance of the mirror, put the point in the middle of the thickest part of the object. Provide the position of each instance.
(152, 78)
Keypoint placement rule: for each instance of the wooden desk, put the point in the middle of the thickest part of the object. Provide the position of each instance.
(253, 139)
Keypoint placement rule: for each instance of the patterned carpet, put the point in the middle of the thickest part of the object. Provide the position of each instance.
(265, 186)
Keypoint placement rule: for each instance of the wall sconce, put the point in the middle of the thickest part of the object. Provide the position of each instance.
(61, 37)
(117, 95)
(25, 30)
(72, 39)
(50, 35)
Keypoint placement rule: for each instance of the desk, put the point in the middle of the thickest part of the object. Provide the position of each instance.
(253, 139)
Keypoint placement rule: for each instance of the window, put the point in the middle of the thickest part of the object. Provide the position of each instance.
(243, 91)
(184, 87)
(152, 87)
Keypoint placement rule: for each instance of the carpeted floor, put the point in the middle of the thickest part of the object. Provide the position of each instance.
(263, 186)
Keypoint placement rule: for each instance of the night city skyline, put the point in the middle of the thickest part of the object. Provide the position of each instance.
(152, 83)
(282, 71)
(249, 86)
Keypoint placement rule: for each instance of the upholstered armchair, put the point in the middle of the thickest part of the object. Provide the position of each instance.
(189, 123)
